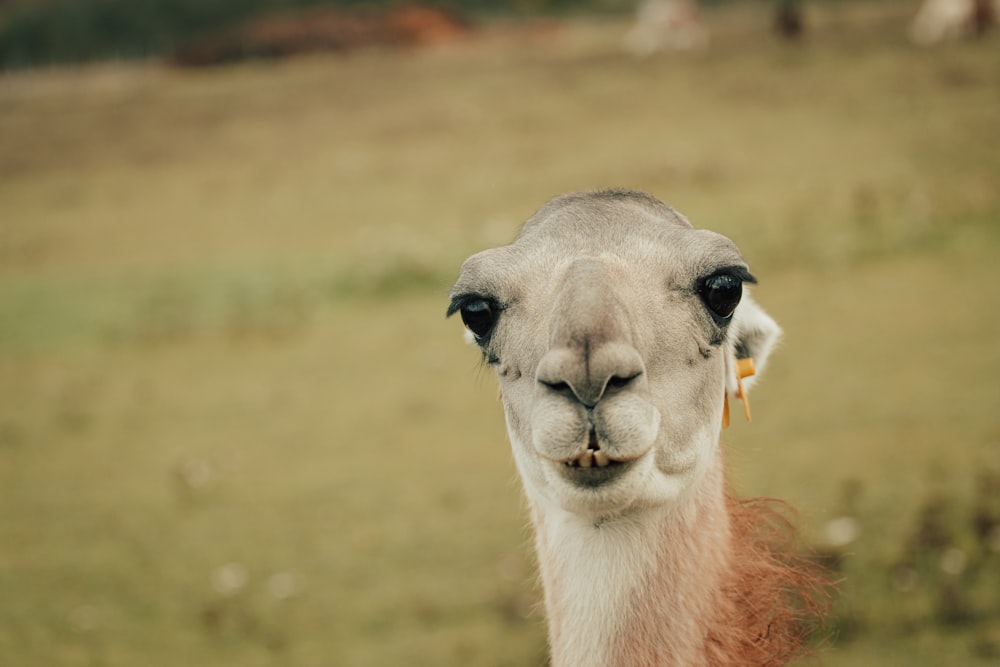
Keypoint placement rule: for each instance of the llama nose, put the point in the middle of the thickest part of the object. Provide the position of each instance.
(590, 346)
(589, 372)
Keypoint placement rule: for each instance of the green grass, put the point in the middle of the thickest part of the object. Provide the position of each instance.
(236, 429)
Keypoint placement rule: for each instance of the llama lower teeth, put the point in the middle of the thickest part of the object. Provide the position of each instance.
(601, 459)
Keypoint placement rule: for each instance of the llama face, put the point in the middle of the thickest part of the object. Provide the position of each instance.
(612, 326)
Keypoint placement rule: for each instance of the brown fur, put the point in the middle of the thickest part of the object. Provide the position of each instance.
(773, 598)
(671, 621)
(729, 590)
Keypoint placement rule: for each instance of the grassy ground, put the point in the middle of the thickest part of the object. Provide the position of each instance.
(235, 428)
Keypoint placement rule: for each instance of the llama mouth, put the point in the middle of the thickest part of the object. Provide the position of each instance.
(593, 468)
(592, 458)
(578, 473)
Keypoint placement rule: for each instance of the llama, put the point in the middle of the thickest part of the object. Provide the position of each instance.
(617, 332)
(788, 21)
(666, 25)
(944, 20)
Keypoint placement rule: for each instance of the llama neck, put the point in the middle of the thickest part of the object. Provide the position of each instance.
(643, 589)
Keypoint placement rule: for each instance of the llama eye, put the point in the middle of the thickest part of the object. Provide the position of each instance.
(721, 293)
(479, 316)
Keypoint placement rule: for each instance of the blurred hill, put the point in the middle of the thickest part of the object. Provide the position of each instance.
(44, 32)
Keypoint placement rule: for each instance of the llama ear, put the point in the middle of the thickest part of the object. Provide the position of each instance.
(753, 334)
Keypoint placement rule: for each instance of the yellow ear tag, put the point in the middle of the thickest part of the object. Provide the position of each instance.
(744, 369)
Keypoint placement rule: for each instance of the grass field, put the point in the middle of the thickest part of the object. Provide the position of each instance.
(236, 429)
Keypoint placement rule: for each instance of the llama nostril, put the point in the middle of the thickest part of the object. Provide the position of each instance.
(618, 381)
(556, 386)
(562, 388)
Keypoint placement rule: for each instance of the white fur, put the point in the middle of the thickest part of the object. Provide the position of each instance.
(594, 575)
(595, 564)
(751, 322)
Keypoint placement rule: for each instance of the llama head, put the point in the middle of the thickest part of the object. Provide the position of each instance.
(613, 327)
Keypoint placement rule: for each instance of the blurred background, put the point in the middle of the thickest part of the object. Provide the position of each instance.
(235, 426)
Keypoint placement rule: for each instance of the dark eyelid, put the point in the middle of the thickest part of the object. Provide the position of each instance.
(740, 272)
(459, 300)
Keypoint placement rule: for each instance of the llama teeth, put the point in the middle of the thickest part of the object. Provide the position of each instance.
(601, 459)
(586, 459)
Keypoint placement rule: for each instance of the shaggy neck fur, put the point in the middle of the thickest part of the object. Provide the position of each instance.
(704, 584)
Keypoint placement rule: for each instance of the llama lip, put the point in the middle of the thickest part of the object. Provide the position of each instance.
(587, 471)
(593, 468)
